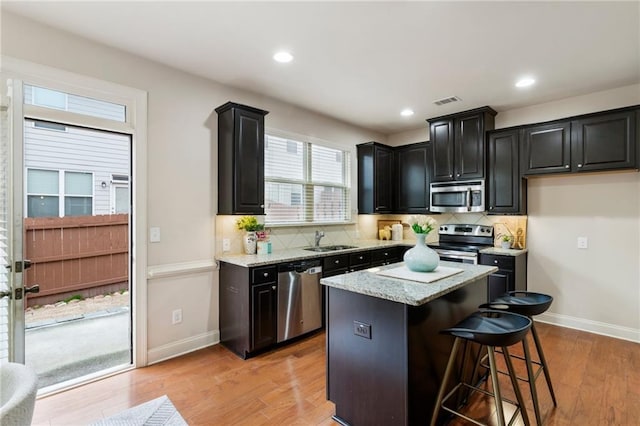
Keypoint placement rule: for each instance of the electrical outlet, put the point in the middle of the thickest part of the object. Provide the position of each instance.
(583, 243)
(226, 244)
(176, 316)
(361, 329)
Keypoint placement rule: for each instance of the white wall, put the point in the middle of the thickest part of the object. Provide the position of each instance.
(597, 289)
(181, 168)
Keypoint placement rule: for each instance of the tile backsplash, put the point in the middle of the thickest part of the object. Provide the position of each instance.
(365, 228)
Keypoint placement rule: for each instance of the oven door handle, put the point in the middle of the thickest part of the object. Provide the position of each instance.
(468, 199)
(457, 255)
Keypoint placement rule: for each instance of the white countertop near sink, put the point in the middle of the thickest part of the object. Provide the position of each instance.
(288, 255)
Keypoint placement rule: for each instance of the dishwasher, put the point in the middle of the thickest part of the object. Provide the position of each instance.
(299, 298)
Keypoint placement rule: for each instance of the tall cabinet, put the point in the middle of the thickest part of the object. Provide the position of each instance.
(240, 159)
(375, 178)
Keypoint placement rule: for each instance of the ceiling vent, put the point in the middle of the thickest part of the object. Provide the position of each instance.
(448, 100)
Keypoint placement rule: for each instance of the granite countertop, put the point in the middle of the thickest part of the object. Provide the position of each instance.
(288, 255)
(503, 252)
(404, 291)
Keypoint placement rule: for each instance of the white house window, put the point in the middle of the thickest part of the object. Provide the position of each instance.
(305, 183)
(53, 193)
(43, 193)
(78, 194)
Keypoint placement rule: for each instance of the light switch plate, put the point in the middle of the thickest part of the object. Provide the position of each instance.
(583, 243)
(226, 244)
(154, 235)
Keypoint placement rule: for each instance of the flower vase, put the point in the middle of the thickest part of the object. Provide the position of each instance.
(249, 243)
(421, 258)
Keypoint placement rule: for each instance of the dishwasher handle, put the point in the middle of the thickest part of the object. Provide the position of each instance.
(314, 271)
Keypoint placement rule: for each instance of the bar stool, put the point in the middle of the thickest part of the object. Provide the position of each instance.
(529, 304)
(490, 328)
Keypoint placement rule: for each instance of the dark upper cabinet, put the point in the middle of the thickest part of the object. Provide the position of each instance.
(604, 142)
(458, 144)
(506, 189)
(593, 142)
(413, 165)
(376, 178)
(240, 159)
(546, 148)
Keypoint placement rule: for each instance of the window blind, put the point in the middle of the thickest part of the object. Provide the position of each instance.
(4, 233)
(305, 183)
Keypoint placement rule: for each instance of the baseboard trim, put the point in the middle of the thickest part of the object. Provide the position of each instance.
(181, 347)
(605, 329)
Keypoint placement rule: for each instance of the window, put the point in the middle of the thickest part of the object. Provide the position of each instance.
(48, 98)
(50, 196)
(305, 182)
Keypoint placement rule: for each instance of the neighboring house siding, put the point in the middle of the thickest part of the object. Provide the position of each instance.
(79, 150)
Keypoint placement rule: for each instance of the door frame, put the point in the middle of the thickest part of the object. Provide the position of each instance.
(135, 101)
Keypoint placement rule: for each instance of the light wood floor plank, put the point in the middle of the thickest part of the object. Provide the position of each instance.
(596, 379)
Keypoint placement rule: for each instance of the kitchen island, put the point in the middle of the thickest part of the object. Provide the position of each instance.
(385, 356)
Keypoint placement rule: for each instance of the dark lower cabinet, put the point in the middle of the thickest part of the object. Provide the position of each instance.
(335, 265)
(264, 299)
(248, 313)
(506, 189)
(511, 274)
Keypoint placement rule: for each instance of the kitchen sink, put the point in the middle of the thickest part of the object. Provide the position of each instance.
(329, 248)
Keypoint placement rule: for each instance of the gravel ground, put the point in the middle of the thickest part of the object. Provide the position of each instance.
(76, 307)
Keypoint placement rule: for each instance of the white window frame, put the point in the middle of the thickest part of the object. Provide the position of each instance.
(308, 184)
(135, 124)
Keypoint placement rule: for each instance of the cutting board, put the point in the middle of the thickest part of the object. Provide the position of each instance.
(405, 273)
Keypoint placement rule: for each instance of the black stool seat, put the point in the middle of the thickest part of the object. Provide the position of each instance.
(521, 302)
(529, 304)
(491, 328)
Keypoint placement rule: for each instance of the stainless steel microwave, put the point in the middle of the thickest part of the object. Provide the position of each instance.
(457, 197)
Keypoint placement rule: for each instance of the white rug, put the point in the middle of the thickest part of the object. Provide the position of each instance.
(157, 412)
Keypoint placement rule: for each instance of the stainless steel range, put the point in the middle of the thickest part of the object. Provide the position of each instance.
(462, 243)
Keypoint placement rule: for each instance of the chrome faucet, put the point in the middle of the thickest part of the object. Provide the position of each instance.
(319, 235)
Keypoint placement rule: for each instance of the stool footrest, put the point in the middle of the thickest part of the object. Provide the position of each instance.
(477, 389)
(483, 363)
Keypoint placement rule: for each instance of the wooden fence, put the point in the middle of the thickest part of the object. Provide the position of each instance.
(83, 255)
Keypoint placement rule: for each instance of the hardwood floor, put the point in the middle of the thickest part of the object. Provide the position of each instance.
(596, 380)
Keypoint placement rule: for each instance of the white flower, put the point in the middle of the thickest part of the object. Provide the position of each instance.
(422, 224)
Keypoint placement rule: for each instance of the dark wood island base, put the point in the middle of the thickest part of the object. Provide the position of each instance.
(386, 359)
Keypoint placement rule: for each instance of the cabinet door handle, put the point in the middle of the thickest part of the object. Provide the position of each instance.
(273, 287)
(491, 208)
(266, 274)
(450, 175)
(360, 257)
(495, 261)
(566, 166)
(579, 165)
(262, 206)
(337, 262)
(458, 175)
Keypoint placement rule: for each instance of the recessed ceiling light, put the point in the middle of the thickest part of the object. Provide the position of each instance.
(525, 82)
(406, 112)
(283, 57)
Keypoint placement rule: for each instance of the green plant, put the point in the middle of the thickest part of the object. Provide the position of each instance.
(506, 238)
(74, 297)
(249, 224)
